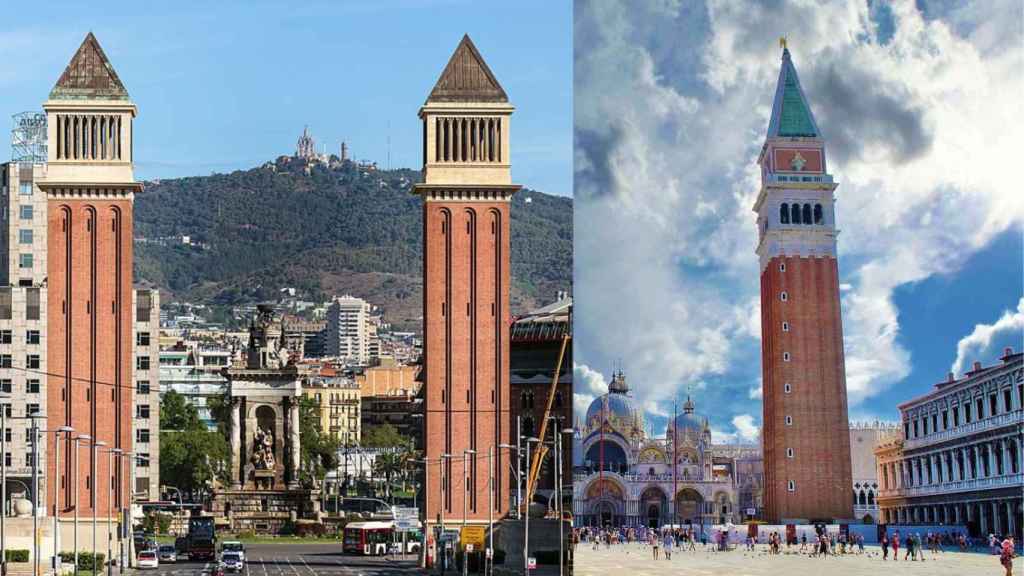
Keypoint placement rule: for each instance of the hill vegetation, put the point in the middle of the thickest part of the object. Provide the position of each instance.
(325, 230)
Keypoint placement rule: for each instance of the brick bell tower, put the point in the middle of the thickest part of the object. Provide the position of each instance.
(806, 436)
(90, 188)
(467, 190)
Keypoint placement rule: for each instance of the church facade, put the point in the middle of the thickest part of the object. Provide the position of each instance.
(626, 477)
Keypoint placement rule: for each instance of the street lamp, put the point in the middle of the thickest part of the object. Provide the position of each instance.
(465, 501)
(443, 488)
(35, 416)
(526, 513)
(92, 497)
(561, 503)
(5, 403)
(110, 500)
(74, 473)
(58, 484)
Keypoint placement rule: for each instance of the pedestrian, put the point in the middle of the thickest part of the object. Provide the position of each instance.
(910, 548)
(896, 547)
(885, 547)
(803, 542)
(1006, 555)
(860, 544)
(654, 544)
(668, 545)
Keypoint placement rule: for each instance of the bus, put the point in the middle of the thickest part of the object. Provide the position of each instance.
(368, 538)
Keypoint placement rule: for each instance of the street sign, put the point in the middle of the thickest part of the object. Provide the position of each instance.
(531, 563)
(450, 536)
(475, 535)
(469, 547)
(490, 553)
(405, 512)
(751, 511)
(404, 524)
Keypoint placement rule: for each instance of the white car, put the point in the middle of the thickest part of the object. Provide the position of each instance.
(234, 546)
(147, 559)
(232, 562)
(167, 554)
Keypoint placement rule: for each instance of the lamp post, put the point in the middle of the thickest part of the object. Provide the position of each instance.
(58, 481)
(74, 480)
(490, 544)
(35, 490)
(561, 503)
(92, 497)
(5, 402)
(465, 501)
(526, 514)
(110, 513)
(444, 493)
(125, 520)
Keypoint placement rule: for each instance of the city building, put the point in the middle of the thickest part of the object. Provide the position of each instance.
(864, 437)
(338, 399)
(537, 341)
(959, 456)
(390, 395)
(466, 193)
(349, 331)
(806, 438)
(625, 477)
(146, 385)
(195, 372)
(303, 337)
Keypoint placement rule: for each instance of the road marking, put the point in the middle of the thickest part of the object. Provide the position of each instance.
(306, 564)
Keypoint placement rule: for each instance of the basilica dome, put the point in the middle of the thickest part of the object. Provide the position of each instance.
(688, 425)
(615, 406)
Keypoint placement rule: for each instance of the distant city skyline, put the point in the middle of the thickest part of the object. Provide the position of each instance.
(228, 87)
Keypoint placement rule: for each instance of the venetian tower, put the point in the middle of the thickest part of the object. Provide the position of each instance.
(90, 188)
(806, 432)
(467, 190)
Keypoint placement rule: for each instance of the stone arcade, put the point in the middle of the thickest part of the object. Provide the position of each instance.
(265, 490)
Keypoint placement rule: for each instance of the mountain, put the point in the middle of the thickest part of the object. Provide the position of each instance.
(325, 229)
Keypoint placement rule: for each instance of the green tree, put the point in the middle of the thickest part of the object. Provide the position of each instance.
(394, 465)
(191, 456)
(319, 450)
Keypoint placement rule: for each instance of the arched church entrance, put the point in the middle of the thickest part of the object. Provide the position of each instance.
(689, 505)
(653, 500)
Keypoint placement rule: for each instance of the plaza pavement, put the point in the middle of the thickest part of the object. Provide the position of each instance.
(636, 560)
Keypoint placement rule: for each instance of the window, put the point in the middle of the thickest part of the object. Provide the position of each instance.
(24, 260)
(5, 386)
(5, 336)
(956, 415)
(25, 188)
(784, 297)
(817, 214)
(1007, 400)
(32, 337)
(782, 266)
(980, 413)
(7, 435)
(993, 407)
(142, 460)
(795, 213)
(32, 386)
(32, 307)
(945, 419)
(142, 362)
(31, 409)
(916, 430)
(28, 459)
(807, 214)
(935, 423)
(785, 326)
(787, 388)
(143, 304)
(142, 435)
(789, 420)
(785, 356)
(142, 338)
(7, 459)
(5, 303)
(7, 411)
(25, 211)
(32, 361)
(967, 413)
(25, 236)
(5, 361)
(784, 213)
(142, 411)
(789, 452)
(791, 486)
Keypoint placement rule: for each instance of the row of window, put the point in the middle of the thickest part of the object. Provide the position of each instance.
(526, 399)
(32, 303)
(32, 361)
(31, 337)
(920, 426)
(31, 386)
(29, 410)
(795, 214)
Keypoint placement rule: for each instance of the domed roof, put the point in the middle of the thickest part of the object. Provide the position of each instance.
(688, 422)
(619, 405)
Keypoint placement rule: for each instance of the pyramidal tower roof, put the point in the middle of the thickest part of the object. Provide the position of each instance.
(89, 76)
(467, 78)
(791, 115)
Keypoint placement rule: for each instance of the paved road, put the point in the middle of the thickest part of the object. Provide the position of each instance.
(299, 560)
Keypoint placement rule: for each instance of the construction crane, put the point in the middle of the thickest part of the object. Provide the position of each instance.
(541, 450)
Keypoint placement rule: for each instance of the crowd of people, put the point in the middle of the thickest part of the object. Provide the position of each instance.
(664, 541)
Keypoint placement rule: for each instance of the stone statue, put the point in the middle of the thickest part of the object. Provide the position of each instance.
(263, 450)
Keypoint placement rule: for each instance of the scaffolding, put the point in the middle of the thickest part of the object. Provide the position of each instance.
(28, 137)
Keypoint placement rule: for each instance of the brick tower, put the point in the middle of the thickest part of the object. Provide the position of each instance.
(466, 194)
(89, 190)
(806, 433)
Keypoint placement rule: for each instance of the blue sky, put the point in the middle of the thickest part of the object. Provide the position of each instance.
(919, 105)
(228, 85)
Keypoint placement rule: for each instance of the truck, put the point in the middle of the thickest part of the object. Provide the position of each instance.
(202, 541)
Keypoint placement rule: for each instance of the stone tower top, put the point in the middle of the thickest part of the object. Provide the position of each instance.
(467, 78)
(89, 76)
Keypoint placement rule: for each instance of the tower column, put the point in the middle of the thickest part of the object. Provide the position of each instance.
(236, 443)
(293, 437)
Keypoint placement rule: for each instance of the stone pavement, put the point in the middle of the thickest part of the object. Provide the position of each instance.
(636, 560)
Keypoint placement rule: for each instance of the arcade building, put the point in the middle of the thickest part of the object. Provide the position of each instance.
(625, 477)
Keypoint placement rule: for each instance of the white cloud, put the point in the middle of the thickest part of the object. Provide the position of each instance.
(587, 385)
(977, 342)
(746, 429)
(670, 116)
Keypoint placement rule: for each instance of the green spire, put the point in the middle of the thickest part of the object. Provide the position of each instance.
(791, 115)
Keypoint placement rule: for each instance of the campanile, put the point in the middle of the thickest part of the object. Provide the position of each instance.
(90, 188)
(806, 437)
(466, 191)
